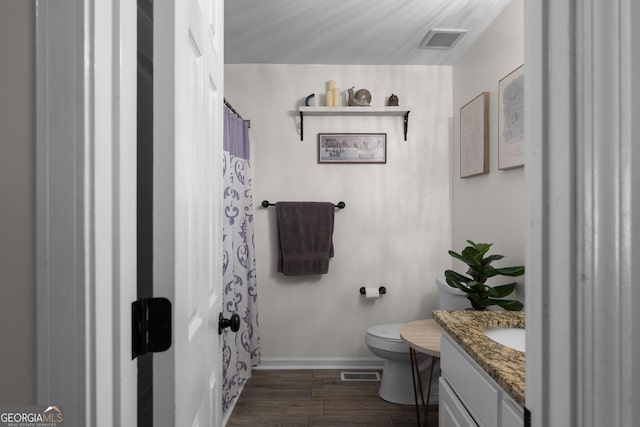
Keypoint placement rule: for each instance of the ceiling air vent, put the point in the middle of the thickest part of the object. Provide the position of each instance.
(441, 39)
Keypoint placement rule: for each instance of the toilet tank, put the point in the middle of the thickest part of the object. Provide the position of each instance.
(451, 298)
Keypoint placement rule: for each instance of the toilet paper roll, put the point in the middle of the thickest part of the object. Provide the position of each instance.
(371, 293)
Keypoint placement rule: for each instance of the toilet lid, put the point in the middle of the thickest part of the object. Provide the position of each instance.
(389, 331)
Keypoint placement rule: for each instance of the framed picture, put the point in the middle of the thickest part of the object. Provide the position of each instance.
(352, 148)
(511, 120)
(474, 136)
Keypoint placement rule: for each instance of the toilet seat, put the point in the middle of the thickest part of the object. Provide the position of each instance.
(386, 337)
(388, 332)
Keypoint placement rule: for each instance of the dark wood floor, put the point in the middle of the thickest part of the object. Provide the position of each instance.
(317, 398)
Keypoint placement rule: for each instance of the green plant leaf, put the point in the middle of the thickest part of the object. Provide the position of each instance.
(481, 248)
(490, 272)
(457, 276)
(473, 256)
(479, 303)
(457, 280)
(502, 290)
(466, 260)
(488, 260)
(478, 287)
(472, 272)
(511, 271)
(510, 305)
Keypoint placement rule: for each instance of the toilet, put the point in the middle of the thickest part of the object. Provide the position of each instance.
(450, 298)
(397, 384)
(384, 341)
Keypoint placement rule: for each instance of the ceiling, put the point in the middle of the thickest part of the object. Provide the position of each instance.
(364, 32)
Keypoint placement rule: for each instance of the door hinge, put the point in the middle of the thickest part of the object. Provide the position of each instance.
(150, 326)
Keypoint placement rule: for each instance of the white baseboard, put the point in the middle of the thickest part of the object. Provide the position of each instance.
(320, 363)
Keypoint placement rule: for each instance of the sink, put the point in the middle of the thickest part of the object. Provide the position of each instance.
(509, 337)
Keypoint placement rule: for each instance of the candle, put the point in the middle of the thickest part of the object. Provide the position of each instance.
(337, 102)
(331, 84)
(330, 98)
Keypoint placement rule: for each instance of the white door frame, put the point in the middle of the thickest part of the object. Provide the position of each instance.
(582, 118)
(581, 102)
(85, 202)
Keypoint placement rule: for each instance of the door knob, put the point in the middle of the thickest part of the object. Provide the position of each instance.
(233, 322)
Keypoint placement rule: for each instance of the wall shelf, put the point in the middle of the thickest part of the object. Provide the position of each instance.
(402, 111)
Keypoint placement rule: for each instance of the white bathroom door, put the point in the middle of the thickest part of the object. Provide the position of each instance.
(188, 99)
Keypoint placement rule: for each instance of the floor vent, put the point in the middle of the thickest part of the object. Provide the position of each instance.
(360, 376)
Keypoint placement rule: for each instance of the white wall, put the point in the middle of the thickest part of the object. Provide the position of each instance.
(395, 229)
(490, 207)
(17, 203)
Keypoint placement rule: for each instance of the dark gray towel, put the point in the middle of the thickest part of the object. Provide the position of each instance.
(305, 237)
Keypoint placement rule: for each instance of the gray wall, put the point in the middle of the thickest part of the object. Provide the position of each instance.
(17, 203)
(489, 208)
(395, 229)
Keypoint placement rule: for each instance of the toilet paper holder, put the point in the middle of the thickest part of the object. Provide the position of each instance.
(382, 290)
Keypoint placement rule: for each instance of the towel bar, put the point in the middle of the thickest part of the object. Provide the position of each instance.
(266, 204)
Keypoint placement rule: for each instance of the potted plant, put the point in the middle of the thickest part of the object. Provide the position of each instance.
(478, 292)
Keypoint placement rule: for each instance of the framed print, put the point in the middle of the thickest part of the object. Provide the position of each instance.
(352, 148)
(474, 136)
(511, 120)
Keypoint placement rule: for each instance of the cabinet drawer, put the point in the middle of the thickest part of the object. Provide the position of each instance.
(481, 396)
(452, 412)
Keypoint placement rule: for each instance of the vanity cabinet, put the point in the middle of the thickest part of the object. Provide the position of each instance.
(469, 396)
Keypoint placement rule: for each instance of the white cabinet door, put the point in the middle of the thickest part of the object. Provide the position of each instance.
(472, 385)
(512, 414)
(451, 412)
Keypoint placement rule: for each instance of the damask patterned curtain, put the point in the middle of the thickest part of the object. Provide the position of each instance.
(241, 350)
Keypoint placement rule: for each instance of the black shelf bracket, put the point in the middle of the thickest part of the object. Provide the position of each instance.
(406, 124)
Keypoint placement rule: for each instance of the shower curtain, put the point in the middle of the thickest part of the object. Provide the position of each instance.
(241, 350)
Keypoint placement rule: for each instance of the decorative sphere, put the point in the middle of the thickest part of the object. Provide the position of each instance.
(362, 97)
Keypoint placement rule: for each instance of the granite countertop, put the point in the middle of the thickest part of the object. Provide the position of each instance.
(505, 365)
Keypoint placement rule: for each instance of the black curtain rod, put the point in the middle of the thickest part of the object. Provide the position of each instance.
(266, 204)
(233, 110)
